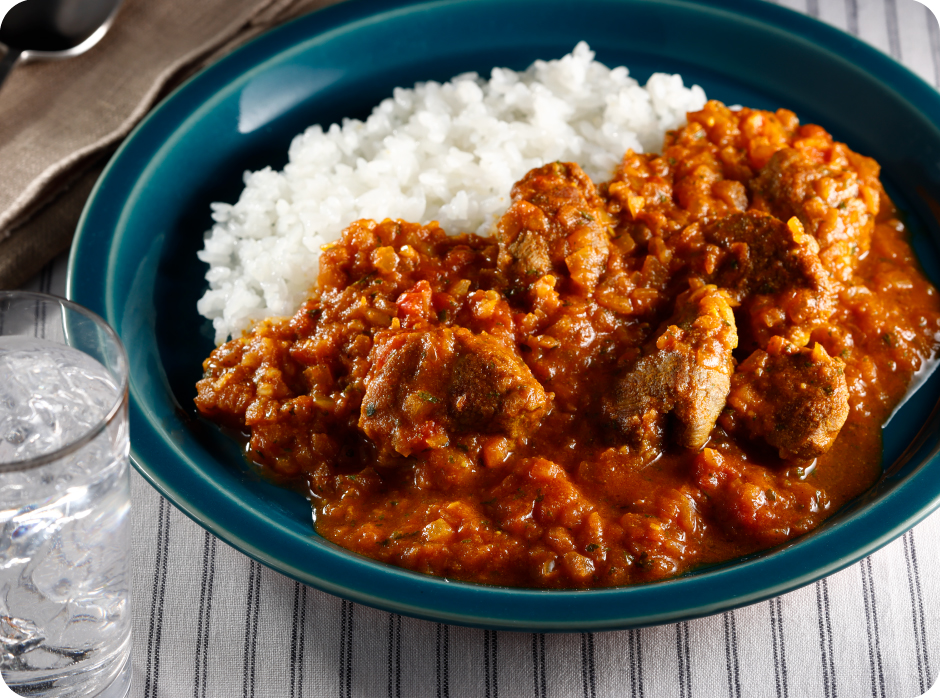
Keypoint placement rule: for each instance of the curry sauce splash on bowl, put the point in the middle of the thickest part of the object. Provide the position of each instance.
(685, 364)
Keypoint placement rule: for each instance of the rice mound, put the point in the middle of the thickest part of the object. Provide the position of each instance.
(447, 152)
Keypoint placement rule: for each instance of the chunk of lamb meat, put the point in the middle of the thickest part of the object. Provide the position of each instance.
(773, 270)
(425, 387)
(836, 197)
(794, 399)
(686, 370)
(556, 224)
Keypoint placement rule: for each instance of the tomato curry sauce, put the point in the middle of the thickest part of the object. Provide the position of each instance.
(685, 364)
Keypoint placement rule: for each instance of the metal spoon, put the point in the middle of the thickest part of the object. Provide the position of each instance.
(53, 29)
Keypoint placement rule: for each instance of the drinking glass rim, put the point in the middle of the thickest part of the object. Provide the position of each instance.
(101, 424)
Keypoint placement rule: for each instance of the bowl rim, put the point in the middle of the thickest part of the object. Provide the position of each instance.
(435, 598)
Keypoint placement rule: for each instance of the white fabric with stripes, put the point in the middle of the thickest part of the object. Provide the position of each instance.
(209, 622)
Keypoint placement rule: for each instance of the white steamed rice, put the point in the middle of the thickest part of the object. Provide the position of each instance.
(446, 152)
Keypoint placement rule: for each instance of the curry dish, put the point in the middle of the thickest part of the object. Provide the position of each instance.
(628, 380)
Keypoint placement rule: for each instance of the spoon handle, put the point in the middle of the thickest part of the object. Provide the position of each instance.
(9, 60)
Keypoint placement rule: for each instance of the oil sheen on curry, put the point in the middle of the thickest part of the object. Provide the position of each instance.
(626, 381)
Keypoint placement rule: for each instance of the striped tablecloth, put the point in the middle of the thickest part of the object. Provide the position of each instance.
(210, 622)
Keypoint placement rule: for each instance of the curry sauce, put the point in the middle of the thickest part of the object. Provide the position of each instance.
(626, 381)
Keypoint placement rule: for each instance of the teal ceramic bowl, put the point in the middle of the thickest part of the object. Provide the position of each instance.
(134, 259)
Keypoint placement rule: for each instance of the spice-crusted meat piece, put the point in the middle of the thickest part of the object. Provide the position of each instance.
(773, 269)
(762, 254)
(794, 399)
(686, 370)
(426, 386)
(833, 191)
(556, 224)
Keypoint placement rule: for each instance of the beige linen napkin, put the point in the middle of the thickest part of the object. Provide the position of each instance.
(59, 121)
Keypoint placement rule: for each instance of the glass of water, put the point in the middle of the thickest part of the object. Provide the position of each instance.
(65, 619)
